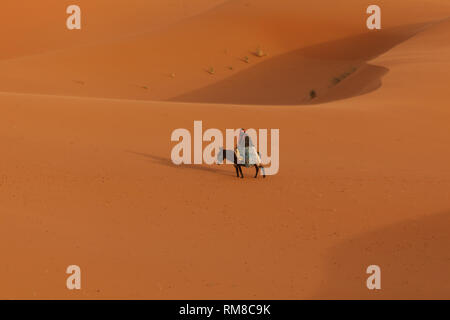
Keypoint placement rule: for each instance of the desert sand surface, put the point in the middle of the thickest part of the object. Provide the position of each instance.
(86, 176)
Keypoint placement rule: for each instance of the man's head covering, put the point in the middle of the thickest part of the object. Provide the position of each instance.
(241, 136)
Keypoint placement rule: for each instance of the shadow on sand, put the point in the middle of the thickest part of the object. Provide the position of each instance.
(333, 70)
(224, 170)
(413, 255)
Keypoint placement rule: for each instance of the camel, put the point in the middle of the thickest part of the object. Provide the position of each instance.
(233, 156)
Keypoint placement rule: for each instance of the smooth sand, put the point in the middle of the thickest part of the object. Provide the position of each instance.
(86, 176)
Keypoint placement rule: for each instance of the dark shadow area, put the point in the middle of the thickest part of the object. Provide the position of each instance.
(365, 80)
(227, 170)
(414, 257)
(291, 78)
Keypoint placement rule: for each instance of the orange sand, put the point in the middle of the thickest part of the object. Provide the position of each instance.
(86, 176)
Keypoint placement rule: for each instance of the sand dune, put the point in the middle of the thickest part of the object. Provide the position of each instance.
(289, 78)
(39, 26)
(410, 250)
(140, 67)
(86, 176)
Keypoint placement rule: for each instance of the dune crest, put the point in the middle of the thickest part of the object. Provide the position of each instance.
(333, 70)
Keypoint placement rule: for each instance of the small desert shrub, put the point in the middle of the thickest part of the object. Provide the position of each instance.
(260, 53)
(211, 70)
(336, 80)
(246, 59)
(313, 94)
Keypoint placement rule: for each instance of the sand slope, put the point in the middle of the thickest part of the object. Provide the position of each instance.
(294, 35)
(40, 26)
(363, 180)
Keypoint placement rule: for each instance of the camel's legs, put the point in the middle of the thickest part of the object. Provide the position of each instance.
(240, 170)
(263, 171)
